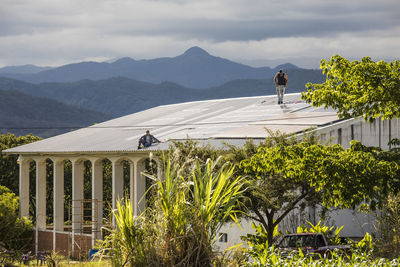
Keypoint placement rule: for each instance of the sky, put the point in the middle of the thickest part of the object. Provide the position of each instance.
(253, 32)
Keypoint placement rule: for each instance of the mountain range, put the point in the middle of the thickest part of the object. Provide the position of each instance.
(120, 96)
(24, 69)
(127, 86)
(195, 68)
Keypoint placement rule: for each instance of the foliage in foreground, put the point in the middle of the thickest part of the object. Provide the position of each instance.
(180, 229)
(362, 253)
(15, 233)
(388, 228)
(269, 256)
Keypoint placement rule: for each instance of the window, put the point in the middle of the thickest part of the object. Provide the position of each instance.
(352, 132)
(320, 241)
(223, 237)
(339, 138)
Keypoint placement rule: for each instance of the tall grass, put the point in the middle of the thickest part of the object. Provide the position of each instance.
(129, 242)
(179, 228)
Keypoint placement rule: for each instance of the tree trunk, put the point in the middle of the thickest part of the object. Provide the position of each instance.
(270, 229)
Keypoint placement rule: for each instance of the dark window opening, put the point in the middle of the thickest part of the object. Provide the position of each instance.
(339, 138)
(352, 132)
(223, 237)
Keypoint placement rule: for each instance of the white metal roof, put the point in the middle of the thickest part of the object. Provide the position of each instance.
(232, 120)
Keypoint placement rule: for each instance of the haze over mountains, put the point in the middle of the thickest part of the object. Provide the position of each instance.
(126, 85)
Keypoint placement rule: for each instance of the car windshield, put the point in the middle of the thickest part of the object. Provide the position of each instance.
(293, 241)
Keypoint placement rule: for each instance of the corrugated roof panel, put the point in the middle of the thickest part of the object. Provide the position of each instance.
(259, 131)
(224, 118)
(301, 118)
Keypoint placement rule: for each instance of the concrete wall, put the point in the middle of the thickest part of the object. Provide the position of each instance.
(377, 133)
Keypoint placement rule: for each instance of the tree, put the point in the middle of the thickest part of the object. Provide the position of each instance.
(273, 191)
(15, 233)
(359, 175)
(284, 174)
(358, 88)
(9, 171)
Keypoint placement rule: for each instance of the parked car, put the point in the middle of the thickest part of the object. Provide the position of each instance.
(314, 244)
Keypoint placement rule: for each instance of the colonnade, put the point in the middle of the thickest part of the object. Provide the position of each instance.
(137, 190)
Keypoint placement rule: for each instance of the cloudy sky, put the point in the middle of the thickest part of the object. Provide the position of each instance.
(255, 32)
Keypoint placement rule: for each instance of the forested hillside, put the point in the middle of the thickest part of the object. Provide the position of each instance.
(22, 113)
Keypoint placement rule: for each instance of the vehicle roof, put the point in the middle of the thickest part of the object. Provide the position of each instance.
(304, 234)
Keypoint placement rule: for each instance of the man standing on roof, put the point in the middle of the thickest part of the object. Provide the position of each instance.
(281, 81)
(147, 140)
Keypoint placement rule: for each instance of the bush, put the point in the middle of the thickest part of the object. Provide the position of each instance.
(15, 233)
(388, 228)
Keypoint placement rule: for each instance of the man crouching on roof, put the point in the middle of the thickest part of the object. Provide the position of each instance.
(147, 140)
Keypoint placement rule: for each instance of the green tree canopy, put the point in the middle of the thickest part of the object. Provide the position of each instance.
(359, 175)
(9, 171)
(358, 88)
(273, 190)
(284, 174)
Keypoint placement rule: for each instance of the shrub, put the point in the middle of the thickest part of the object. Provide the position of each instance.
(15, 233)
(388, 228)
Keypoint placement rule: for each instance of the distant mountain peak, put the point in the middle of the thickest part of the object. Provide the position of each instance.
(195, 50)
(286, 66)
(124, 60)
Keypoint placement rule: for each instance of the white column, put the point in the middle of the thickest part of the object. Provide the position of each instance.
(40, 198)
(117, 183)
(77, 196)
(58, 197)
(139, 189)
(97, 199)
(24, 187)
(132, 175)
(58, 191)
(159, 170)
(40, 193)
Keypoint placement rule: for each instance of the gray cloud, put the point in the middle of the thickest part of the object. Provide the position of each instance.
(53, 32)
